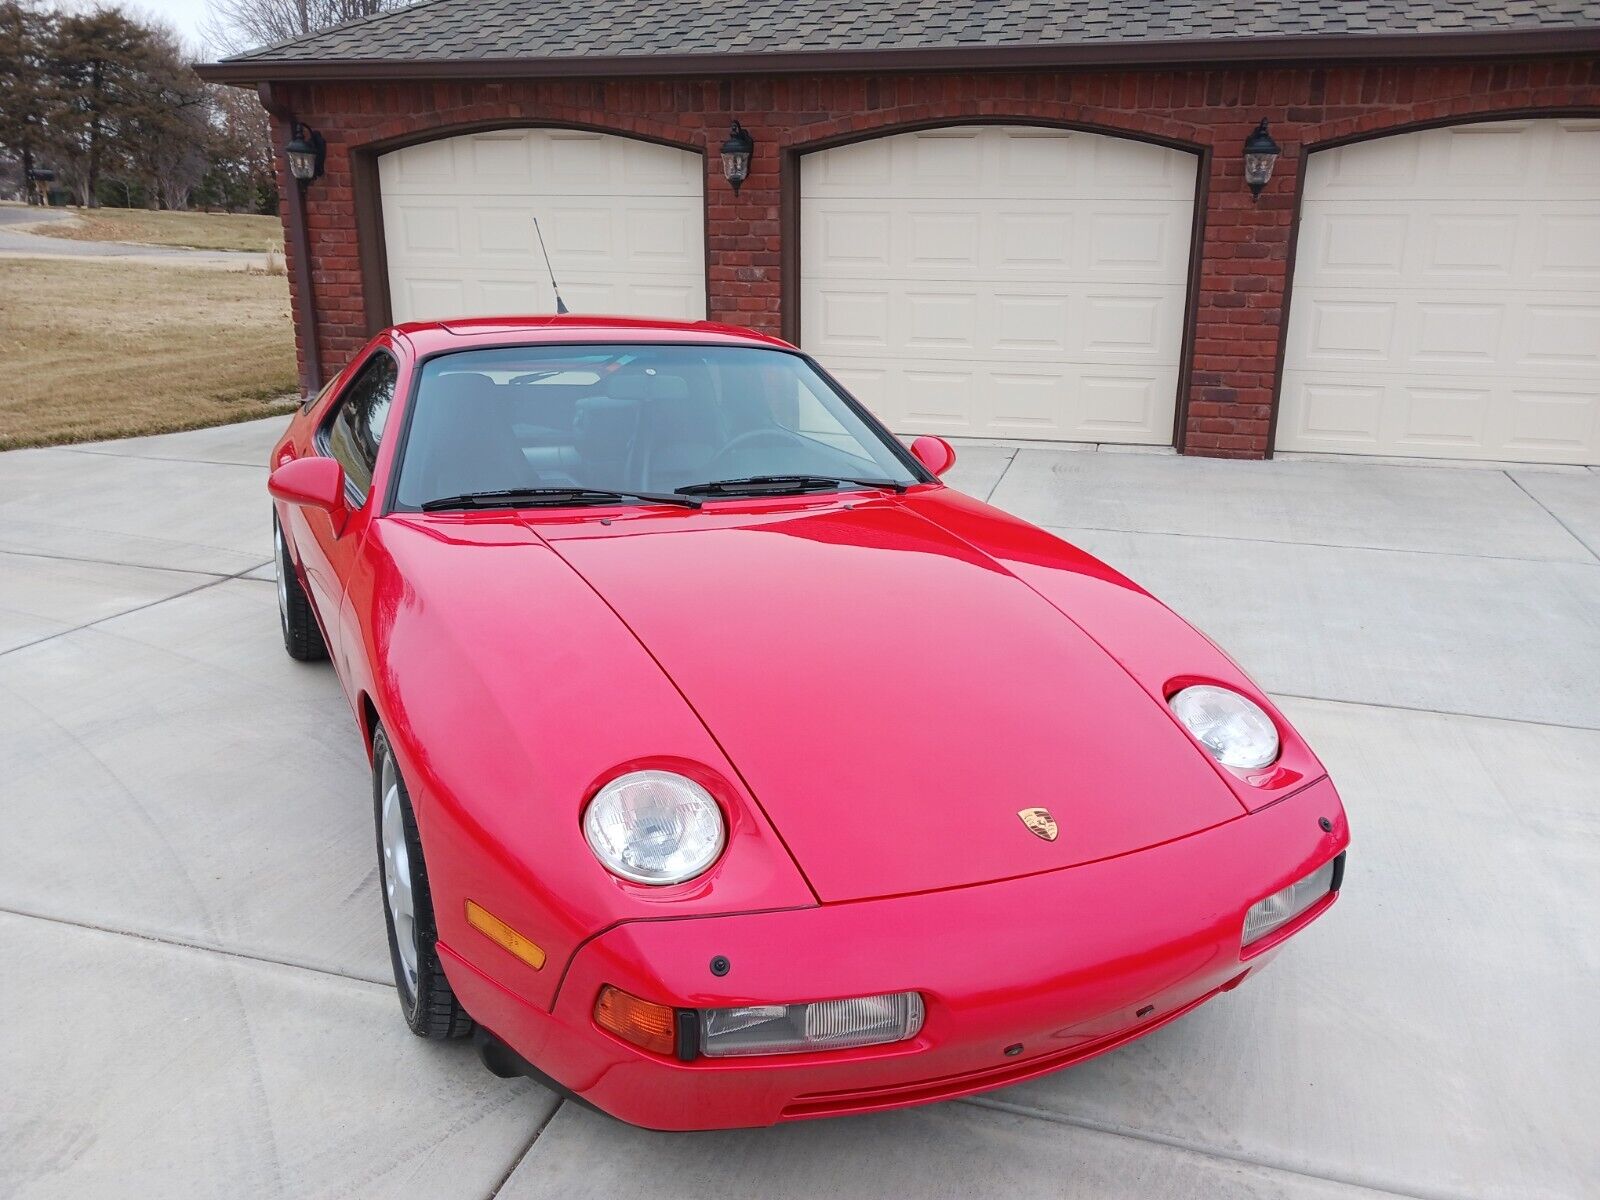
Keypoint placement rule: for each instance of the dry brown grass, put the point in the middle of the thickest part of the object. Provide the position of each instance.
(94, 350)
(199, 231)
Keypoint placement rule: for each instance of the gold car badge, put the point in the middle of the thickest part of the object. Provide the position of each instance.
(1039, 822)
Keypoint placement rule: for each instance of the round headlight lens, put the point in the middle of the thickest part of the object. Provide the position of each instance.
(1232, 727)
(654, 827)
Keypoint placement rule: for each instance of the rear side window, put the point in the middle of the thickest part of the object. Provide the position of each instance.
(355, 429)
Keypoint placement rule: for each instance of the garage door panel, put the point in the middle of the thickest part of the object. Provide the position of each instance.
(491, 296)
(623, 221)
(1510, 335)
(1025, 322)
(1568, 248)
(1033, 242)
(1421, 245)
(421, 294)
(1337, 332)
(1491, 160)
(956, 398)
(1000, 163)
(1484, 157)
(674, 301)
(1440, 417)
(1324, 414)
(422, 230)
(1559, 338)
(1446, 300)
(503, 231)
(922, 239)
(1470, 248)
(1575, 152)
(1458, 334)
(1556, 422)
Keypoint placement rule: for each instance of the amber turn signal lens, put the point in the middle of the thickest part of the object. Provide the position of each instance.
(649, 1026)
(496, 930)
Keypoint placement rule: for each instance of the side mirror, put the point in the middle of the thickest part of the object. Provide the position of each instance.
(934, 453)
(312, 482)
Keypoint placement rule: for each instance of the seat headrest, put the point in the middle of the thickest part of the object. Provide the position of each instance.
(648, 387)
(464, 387)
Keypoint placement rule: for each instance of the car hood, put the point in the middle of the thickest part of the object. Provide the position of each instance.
(895, 698)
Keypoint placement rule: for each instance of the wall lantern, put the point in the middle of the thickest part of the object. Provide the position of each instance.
(736, 156)
(307, 153)
(1260, 156)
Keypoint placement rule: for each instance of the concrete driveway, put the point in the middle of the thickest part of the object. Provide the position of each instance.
(197, 989)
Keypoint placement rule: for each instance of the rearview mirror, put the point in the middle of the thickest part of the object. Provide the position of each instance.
(934, 453)
(311, 482)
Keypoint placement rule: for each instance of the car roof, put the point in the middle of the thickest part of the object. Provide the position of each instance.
(434, 337)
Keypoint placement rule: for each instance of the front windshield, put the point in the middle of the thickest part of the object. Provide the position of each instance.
(632, 419)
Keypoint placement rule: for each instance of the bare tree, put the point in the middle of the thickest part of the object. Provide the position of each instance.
(242, 154)
(27, 88)
(167, 132)
(97, 59)
(240, 25)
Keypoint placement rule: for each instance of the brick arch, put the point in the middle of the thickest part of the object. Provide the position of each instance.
(1457, 110)
(400, 132)
(909, 118)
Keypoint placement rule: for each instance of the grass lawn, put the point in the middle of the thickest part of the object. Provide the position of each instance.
(101, 350)
(199, 231)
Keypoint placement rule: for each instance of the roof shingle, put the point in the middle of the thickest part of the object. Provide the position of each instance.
(523, 30)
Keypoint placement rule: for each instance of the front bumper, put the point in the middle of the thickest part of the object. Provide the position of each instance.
(1019, 978)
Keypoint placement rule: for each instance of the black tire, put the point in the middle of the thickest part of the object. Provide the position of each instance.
(430, 1006)
(301, 636)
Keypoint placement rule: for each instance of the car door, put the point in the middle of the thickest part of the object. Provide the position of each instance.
(351, 434)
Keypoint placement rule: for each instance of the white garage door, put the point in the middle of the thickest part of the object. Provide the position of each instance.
(624, 221)
(1000, 281)
(1446, 296)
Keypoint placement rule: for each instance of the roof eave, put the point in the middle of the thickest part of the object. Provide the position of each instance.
(1465, 44)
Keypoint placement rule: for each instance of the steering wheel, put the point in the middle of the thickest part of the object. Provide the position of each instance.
(778, 438)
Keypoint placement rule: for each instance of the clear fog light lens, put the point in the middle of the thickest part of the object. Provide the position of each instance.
(1282, 907)
(1232, 727)
(823, 1025)
(654, 827)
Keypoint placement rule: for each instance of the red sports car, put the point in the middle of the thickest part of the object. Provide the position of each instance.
(728, 768)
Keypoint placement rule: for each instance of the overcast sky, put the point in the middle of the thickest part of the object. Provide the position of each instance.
(186, 16)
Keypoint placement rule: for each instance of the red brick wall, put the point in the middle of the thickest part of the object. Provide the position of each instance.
(1240, 303)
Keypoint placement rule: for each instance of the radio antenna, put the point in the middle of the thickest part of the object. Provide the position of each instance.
(561, 305)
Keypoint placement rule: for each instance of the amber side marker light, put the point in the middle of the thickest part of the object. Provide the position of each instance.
(648, 1026)
(497, 931)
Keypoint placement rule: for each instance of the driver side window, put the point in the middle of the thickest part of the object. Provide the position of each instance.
(355, 427)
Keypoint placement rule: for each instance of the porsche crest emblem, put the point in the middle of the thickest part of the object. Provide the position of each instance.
(1039, 822)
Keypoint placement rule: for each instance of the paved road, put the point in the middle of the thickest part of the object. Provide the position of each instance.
(197, 978)
(16, 241)
(28, 214)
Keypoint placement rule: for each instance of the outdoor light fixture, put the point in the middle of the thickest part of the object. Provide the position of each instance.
(306, 152)
(1260, 156)
(736, 156)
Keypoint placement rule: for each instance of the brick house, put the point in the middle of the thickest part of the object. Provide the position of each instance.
(1011, 219)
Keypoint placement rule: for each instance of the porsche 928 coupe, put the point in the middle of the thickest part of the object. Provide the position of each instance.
(728, 768)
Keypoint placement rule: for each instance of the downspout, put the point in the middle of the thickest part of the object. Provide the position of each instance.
(305, 308)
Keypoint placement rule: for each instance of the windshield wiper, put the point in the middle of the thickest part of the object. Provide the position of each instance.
(765, 484)
(551, 497)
